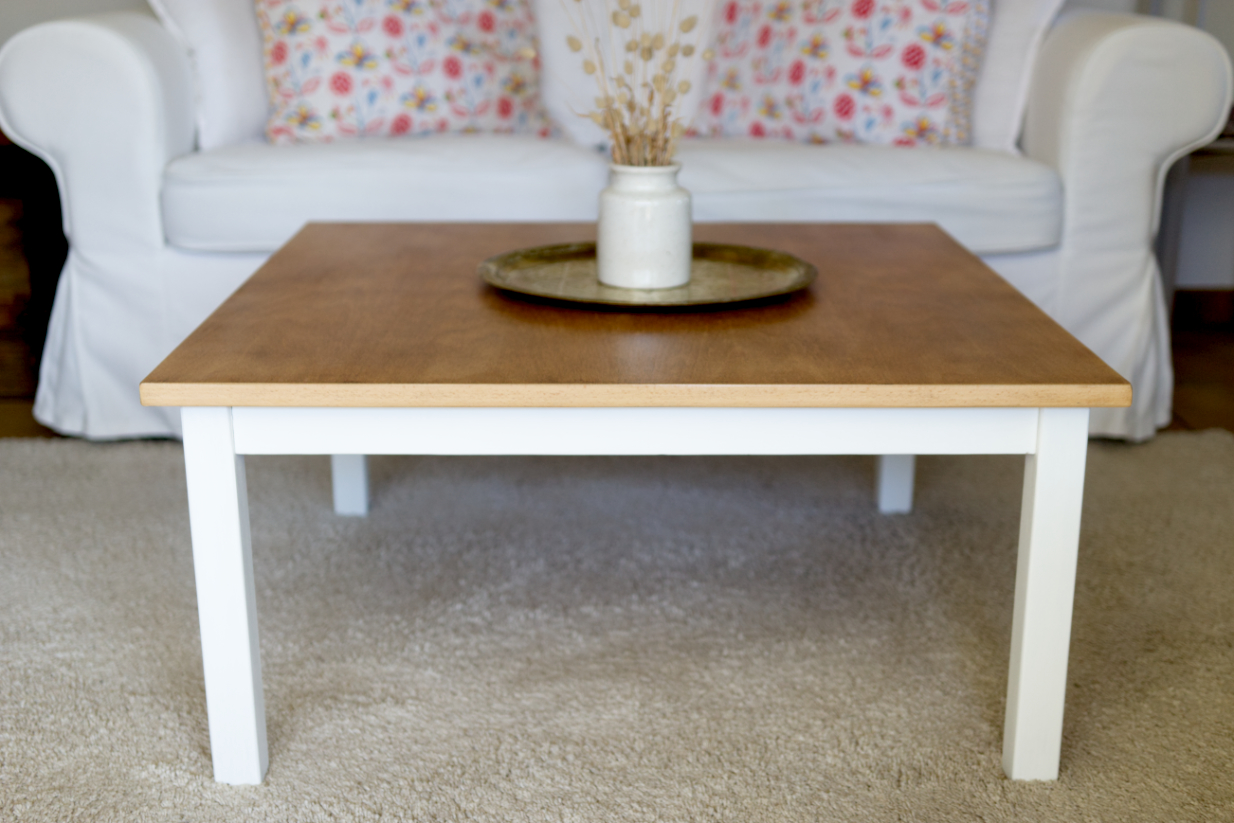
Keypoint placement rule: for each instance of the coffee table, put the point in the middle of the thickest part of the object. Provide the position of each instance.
(358, 339)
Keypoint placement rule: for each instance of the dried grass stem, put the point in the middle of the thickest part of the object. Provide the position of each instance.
(638, 113)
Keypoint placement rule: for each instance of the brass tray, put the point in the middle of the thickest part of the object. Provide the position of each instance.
(721, 274)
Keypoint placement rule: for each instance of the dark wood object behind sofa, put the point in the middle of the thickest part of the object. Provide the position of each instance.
(32, 253)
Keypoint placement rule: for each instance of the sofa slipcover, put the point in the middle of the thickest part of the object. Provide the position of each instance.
(1114, 100)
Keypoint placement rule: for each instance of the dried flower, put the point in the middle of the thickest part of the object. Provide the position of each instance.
(636, 99)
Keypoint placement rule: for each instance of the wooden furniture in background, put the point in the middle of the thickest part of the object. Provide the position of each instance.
(32, 252)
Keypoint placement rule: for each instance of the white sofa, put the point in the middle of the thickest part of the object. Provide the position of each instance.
(162, 231)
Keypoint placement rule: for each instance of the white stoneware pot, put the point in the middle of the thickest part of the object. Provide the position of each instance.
(643, 240)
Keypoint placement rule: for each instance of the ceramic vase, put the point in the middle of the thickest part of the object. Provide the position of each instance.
(643, 240)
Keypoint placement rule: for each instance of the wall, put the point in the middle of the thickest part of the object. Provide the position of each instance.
(1220, 22)
(1206, 245)
(16, 15)
(1104, 5)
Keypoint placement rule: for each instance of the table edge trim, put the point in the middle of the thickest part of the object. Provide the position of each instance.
(489, 395)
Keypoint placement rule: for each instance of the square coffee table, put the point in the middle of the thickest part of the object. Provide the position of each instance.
(358, 339)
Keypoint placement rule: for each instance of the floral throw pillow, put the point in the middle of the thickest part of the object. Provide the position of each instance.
(366, 68)
(862, 71)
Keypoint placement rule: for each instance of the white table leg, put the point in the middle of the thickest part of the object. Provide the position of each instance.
(1044, 591)
(895, 483)
(350, 473)
(226, 602)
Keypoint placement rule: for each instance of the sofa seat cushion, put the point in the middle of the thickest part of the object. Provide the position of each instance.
(254, 197)
(990, 201)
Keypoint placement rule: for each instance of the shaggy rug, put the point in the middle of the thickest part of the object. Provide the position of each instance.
(615, 639)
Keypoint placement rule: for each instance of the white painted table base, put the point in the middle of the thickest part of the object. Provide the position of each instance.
(350, 481)
(215, 440)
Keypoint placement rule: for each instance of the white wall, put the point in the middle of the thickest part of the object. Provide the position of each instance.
(1219, 22)
(1104, 5)
(16, 15)
(1206, 248)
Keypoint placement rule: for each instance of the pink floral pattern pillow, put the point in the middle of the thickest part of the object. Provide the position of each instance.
(363, 68)
(864, 71)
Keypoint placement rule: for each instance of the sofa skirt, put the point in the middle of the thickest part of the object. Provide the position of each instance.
(115, 318)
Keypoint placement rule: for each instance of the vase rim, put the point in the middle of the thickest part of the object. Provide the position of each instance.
(645, 169)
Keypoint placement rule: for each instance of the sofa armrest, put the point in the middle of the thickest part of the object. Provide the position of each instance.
(1115, 100)
(107, 101)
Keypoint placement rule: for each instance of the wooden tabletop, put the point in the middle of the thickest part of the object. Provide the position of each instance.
(395, 315)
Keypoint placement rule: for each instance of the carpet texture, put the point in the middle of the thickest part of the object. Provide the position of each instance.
(596, 639)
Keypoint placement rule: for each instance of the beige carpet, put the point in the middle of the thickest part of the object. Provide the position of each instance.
(615, 640)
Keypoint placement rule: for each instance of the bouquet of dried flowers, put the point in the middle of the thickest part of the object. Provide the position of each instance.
(636, 74)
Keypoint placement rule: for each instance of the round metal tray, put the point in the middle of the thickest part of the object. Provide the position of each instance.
(720, 274)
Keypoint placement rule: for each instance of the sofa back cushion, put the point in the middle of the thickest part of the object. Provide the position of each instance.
(854, 71)
(222, 40)
(1001, 94)
(232, 105)
(369, 68)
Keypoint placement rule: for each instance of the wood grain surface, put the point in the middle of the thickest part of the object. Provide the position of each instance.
(395, 315)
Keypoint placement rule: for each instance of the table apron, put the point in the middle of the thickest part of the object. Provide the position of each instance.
(634, 431)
